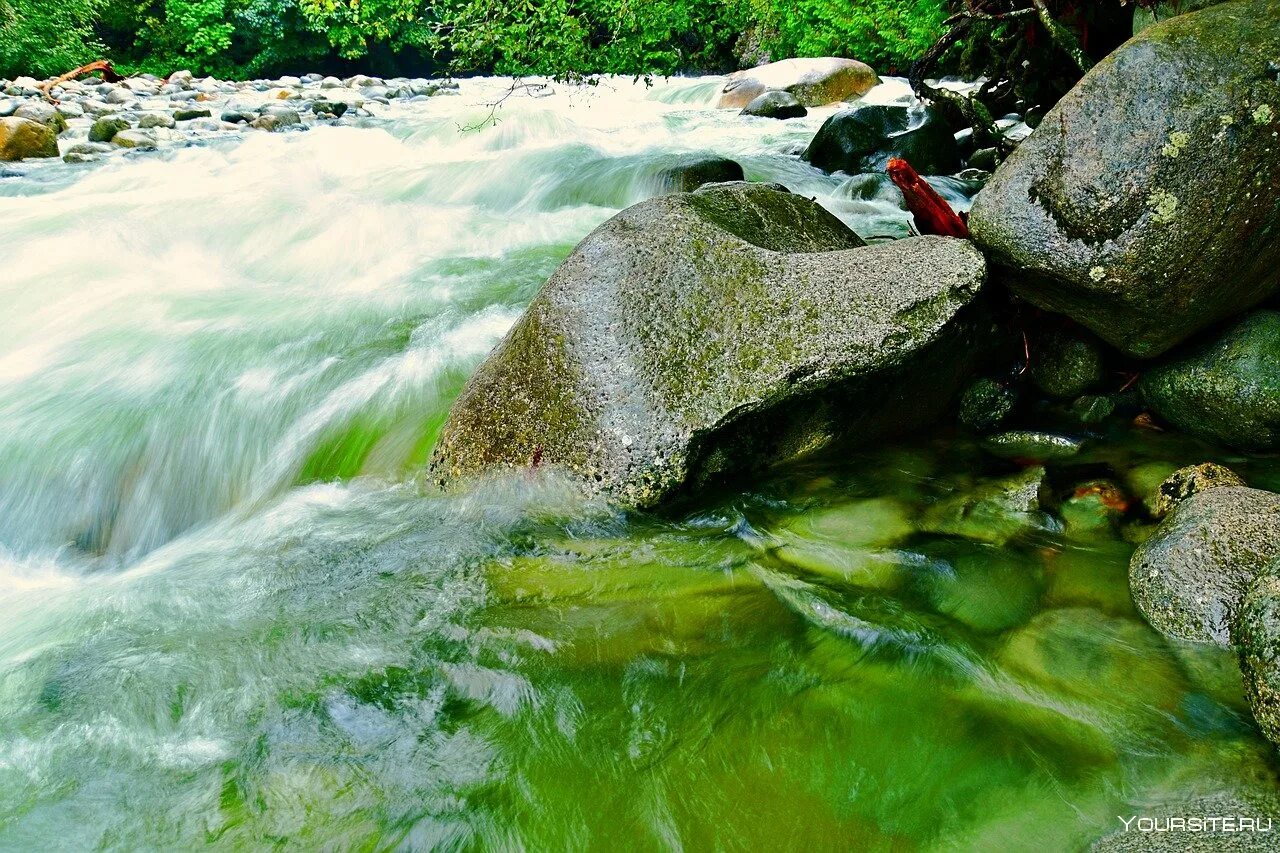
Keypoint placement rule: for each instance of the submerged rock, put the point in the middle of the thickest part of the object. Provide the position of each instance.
(694, 171)
(813, 82)
(986, 403)
(1147, 219)
(1191, 480)
(993, 512)
(1227, 389)
(1189, 578)
(864, 138)
(1029, 444)
(779, 105)
(22, 138)
(718, 331)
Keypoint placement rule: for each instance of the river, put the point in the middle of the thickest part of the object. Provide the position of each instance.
(234, 613)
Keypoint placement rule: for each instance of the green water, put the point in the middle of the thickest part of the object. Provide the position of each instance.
(233, 614)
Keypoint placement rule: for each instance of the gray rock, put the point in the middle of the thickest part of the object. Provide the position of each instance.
(22, 139)
(864, 138)
(331, 83)
(70, 109)
(1188, 579)
(88, 148)
(714, 332)
(97, 108)
(1065, 363)
(191, 114)
(140, 140)
(779, 105)
(181, 77)
(1226, 389)
(8, 106)
(276, 120)
(105, 129)
(43, 112)
(1257, 634)
(119, 96)
(694, 171)
(239, 116)
(335, 109)
(1191, 480)
(150, 120)
(814, 82)
(1147, 219)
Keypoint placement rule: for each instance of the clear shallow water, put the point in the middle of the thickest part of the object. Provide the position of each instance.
(230, 613)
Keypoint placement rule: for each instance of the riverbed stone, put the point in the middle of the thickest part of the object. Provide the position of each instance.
(986, 403)
(22, 139)
(1191, 480)
(276, 120)
(813, 81)
(779, 105)
(141, 140)
(192, 114)
(863, 139)
(1065, 363)
(147, 121)
(708, 333)
(1257, 635)
(1149, 218)
(1189, 578)
(1226, 389)
(993, 512)
(1033, 445)
(695, 170)
(45, 113)
(105, 129)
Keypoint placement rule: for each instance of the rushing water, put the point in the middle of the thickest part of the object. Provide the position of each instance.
(232, 614)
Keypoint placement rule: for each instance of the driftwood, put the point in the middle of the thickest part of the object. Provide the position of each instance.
(931, 212)
(101, 66)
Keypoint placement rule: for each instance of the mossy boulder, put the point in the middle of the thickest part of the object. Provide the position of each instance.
(22, 138)
(986, 403)
(1065, 363)
(106, 128)
(864, 138)
(1189, 578)
(719, 331)
(1257, 634)
(1149, 218)
(1226, 389)
(813, 81)
(1191, 480)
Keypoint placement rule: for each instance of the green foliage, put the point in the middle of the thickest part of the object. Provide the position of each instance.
(44, 37)
(232, 38)
(884, 33)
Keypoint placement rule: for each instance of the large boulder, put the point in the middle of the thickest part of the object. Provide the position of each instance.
(22, 138)
(1257, 634)
(713, 332)
(814, 82)
(864, 138)
(1148, 218)
(1226, 389)
(1188, 579)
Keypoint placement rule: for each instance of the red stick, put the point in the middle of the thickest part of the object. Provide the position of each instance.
(932, 213)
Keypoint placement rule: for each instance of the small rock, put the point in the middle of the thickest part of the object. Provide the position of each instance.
(189, 115)
(1065, 363)
(1191, 480)
(993, 512)
(984, 159)
(45, 113)
(779, 105)
(150, 120)
(335, 109)
(105, 129)
(276, 121)
(695, 171)
(1028, 444)
(986, 403)
(139, 140)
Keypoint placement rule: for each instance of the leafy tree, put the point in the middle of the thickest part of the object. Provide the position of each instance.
(40, 38)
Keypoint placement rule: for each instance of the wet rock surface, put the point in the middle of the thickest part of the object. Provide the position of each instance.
(714, 332)
(1126, 213)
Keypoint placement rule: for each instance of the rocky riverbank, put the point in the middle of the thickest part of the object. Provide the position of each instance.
(87, 119)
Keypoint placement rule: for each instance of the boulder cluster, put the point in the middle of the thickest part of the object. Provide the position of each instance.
(1123, 263)
(87, 119)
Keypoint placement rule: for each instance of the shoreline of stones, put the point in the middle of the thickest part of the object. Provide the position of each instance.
(86, 120)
